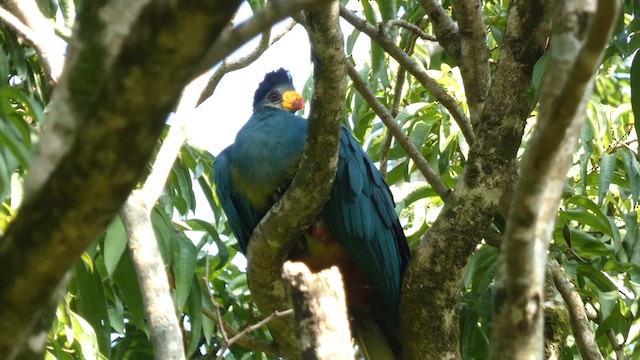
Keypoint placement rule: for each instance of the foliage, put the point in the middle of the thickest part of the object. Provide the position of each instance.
(596, 237)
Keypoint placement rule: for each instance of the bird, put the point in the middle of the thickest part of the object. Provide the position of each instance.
(357, 229)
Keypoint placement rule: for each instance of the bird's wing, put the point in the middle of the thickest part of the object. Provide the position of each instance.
(361, 215)
(240, 214)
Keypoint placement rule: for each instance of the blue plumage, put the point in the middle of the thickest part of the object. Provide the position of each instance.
(253, 172)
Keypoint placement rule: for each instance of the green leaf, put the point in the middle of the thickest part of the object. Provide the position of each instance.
(587, 244)
(608, 300)
(351, 41)
(126, 280)
(5, 178)
(607, 168)
(208, 326)
(16, 147)
(632, 171)
(163, 230)
(85, 336)
(115, 243)
(91, 304)
(539, 70)
(195, 316)
(635, 92)
(184, 266)
(591, 214)
(223, 251)
(597, 277)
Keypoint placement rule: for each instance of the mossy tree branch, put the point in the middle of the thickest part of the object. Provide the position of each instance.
(431, 290)
(272, 239)
(105, 118)
(581, 32)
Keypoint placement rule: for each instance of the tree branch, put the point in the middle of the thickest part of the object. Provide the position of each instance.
(105, 117)
(414, 69)
(474, 56)
(136, 214)
(445, 28)
(320, 312)
(409, 26)
(38, 31)
(432, 279)
(566, 88)
(438, 186)
(272, 239)
(160, 312)
(229, 66)
(231, 39)
(585, 340)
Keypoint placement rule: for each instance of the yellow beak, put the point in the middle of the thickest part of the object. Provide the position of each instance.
(291, 100)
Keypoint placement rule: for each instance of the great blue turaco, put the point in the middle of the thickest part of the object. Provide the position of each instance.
(357, 229)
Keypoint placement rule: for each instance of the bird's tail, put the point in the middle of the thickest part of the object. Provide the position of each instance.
(372, 341)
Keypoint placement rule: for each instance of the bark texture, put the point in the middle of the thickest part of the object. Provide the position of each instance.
(581, 32)
(124, 72)
(320, 312)
(430, 300)
(272, 239)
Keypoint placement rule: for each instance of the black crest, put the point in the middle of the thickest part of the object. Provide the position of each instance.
(278, 77)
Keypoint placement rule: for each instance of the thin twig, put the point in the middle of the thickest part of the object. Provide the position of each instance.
(251, 328)
(438, 186)
(585, 339)
(395, 108)
(617, 347)
(414, 69)
(409, 26)
(229, 66)
(445, 28)
(269, 348)
(474, 56)
(218, 317)
(231, 40)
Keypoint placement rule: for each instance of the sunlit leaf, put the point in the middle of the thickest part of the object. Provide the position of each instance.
(607, 167)
(115, 244)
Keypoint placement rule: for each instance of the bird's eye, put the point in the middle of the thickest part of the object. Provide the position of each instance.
(273, 97)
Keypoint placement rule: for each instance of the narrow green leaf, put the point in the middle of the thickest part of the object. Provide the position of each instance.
(5, 178)
(607, 168)
(115, 243)
(16, 147)
(126, 280)
(208, 326)
(596, 219)
(351, 41)
(91, 304)
(195, 316)
(597, 277)
(635, 91)
(85, 336)
(632, 171)
(223, 251)
(184, 266)
(538, 72)
(587, 245)
(164, 234)
(608, 300)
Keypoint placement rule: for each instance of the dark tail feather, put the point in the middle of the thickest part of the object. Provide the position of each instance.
(372, 341)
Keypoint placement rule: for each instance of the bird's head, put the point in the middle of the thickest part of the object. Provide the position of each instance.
(276, 90)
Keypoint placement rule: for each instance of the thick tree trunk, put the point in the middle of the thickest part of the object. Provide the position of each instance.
(104, 121)
(430, 300)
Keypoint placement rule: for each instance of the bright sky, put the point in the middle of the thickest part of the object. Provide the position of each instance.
(230, 106)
